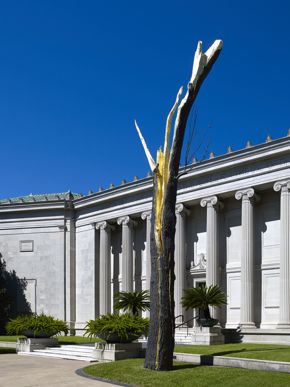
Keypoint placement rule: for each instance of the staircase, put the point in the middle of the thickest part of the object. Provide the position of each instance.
(70, 352)
(183, 335)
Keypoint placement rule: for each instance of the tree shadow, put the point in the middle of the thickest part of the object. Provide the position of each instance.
(13, 301)
(182, 366)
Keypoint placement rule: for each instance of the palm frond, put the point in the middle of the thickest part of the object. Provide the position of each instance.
(132, 302)
(203, 296)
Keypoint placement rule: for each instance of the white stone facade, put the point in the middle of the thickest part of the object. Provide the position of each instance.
(233, 220)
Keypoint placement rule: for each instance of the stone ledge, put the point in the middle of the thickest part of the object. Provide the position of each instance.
(29, 345)
(207, 336)
(8, 344)
(266, 336)
(235, 362)
(114, 352)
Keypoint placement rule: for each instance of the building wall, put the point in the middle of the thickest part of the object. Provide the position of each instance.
(63, 270)
(35, 250)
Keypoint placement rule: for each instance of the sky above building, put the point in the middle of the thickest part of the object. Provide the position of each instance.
(74, 76)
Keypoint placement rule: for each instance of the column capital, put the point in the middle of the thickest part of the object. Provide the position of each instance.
(181, 209)
(146, 215)
(210, 201)
(282, 185)
(247, 194)
(104, 226)
(126, 220)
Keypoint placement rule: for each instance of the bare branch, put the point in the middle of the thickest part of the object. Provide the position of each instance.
(202, 65)
(146, 150)
(168, 124)
(197, 148)
(190, 138)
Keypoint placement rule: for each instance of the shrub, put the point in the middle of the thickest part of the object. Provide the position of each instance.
(117, 328)
(132, 302)
(202, 297)
(37, 324)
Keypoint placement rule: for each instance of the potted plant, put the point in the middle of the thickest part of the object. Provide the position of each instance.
(132, 302)
(115, 328)
(203, 297)
(36, 326)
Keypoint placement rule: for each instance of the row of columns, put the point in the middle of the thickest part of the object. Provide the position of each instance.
(248, 197)
(127, 262)
(284, 187)
(212, 204)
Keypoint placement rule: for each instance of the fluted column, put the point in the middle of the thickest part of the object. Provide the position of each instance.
(211, 204)
(247, 257)
(147, 216)
(212, 265)
(284, 318)
(105, 271)
(127, 252)
(181, 211)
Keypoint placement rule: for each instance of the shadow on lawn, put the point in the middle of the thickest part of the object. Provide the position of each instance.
(177, 367)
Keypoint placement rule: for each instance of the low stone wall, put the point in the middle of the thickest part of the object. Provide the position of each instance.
(235, 362)
(114, 352)
(29, 345)
(8, 344)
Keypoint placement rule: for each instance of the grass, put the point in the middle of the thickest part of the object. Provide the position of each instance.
(7, 350)
(250, 351)
(9, 338)
(61, 339)
(76, 340)
(185, 375)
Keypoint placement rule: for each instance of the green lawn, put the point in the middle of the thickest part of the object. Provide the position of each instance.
(7, 350)
(76, 340)
(9, 338)
(61, 339)
(251, 351)
(185, 375)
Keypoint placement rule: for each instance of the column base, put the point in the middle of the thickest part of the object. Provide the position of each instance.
(248, 325)
(283, 325)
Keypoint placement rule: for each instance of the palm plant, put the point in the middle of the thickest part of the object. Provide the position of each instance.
(202, 297)
(132, 302)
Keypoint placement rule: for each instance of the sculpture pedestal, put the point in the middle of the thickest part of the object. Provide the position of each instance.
(113, 352)
(208, 336)
(29, 345)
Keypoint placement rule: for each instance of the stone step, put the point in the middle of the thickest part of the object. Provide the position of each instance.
(60, 356)
(71, 352)
(76, 348)
(64, 352)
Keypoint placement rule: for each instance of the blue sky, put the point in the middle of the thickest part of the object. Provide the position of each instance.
(74, 75)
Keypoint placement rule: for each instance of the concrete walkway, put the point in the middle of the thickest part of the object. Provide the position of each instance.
(22, 371)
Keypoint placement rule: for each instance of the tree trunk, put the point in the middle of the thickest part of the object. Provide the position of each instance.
(159, 353)
(160, 346)
(207, 313)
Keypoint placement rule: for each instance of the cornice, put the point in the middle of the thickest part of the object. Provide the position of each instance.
(224, 162)
(34, 206)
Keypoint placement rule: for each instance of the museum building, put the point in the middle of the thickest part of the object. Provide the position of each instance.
(232, 229)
